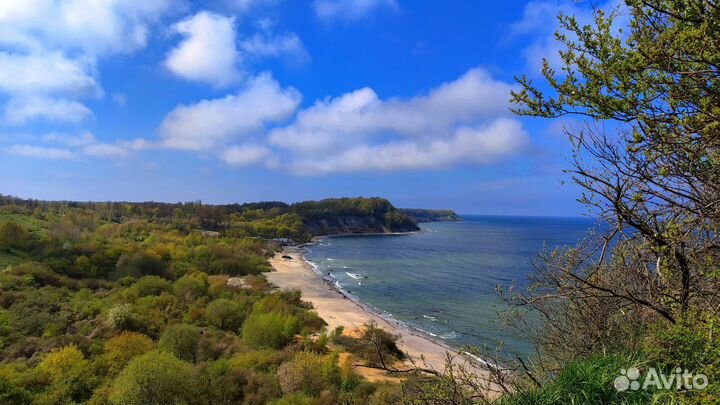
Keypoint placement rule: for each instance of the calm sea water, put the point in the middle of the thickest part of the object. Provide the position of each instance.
(442, 281)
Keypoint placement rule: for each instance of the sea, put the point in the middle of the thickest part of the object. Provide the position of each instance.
(442, 281)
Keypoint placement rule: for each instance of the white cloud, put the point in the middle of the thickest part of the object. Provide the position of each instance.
(208, 53)
(210, 123)
(105, 150)
(352, 117)
(18, 111)
(266, 45)
(245, 155)
(51, 48)
(86, 144)
(92, 27)
(469, 145)
(349, 9)
(47, 73)
(40, 152)
(83, 139)
(245, 5)
(465, 121)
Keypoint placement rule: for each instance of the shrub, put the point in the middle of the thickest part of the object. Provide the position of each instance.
(139, 264)
(222, 383)
(303, 374)
(268, 330)
(260, 360)
(387, 394)
(148, 285)
(155, 378)
(13, 236)
(120, 316)
(191, 286)
(40, 275)
(295, 399)
(588, 382)
(261, 388)
(119, 350)
(13, 394)
(180, 340)
(225, 314)
(69, 375)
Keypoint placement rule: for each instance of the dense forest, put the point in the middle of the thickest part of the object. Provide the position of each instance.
(150, 303)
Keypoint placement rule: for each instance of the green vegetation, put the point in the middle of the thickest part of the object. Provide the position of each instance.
(119, 303)
(643, 81)
(425, 215)
(641, 85)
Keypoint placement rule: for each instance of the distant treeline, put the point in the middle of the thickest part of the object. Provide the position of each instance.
(425, 215)
(269, 219)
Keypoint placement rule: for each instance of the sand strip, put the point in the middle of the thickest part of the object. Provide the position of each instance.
(338, 310)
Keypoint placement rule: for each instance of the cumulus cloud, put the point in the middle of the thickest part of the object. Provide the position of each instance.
(352, 117)
(18, 111)
(245, 155)
(208, 52)
(47, 73)
(349, 10)
(40, 152)
(90, 26)
(51, 49)
(468, 145)
(210, 123)
(465, 121)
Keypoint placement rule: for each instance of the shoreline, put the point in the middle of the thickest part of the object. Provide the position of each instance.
(339, 308)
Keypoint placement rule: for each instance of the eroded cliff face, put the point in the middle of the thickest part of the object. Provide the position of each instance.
(354, 224)
(341, 216)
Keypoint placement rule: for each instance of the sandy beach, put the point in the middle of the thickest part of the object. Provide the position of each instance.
(338, 310)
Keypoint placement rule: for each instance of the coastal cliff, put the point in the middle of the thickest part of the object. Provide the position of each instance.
(340, 216)
(424, 215)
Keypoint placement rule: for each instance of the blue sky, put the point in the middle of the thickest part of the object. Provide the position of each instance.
(247, 100)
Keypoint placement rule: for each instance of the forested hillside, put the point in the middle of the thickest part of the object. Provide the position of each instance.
(120, 303)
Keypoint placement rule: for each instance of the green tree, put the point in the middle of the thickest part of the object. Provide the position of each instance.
(120, 349)
(181, 340)
(120, 316)
(309, 373)
(225, 314)
(148, 285)
(13, 236)
(647, 154)
(155, 378)
(69, 374)
(191, 286)
(268, 330)
(222, 383)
